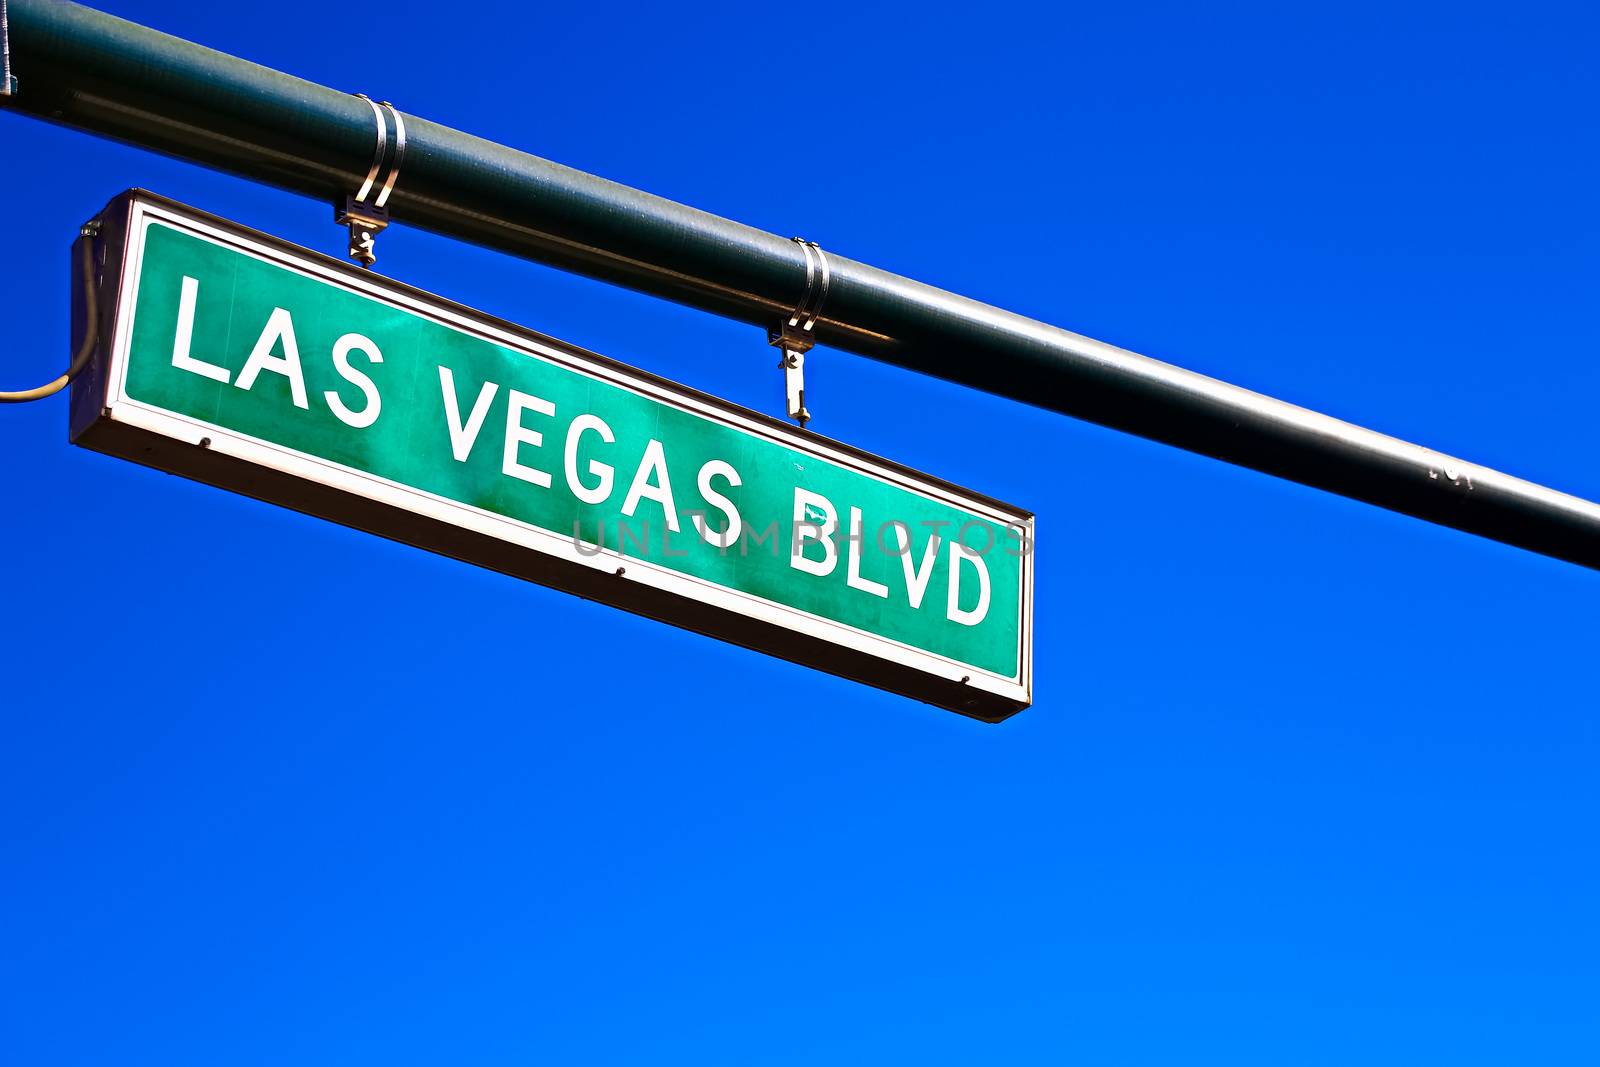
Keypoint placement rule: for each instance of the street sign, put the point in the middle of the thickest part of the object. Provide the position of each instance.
(241, 360)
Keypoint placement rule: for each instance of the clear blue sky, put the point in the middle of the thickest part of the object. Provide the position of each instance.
(1305, 782)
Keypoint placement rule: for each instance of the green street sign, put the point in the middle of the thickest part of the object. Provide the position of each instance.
(238, 359)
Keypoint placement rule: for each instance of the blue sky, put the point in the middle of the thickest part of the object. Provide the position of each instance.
(1305, 782)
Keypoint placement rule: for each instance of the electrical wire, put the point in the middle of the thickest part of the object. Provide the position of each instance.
(80, 360)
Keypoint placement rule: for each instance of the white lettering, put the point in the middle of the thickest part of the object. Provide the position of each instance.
(654, 461)
(852, 573)
(916, 577)
(462, 438)
(518, 435)
(730, 532)
(185, 335)
(354, 342)
(807, 530)
(598, 493)
(279, 330)
(953, 610)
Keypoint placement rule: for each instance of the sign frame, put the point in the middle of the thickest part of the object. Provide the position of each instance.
(105, 419)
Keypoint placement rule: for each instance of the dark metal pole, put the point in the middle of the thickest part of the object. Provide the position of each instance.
(91, 71)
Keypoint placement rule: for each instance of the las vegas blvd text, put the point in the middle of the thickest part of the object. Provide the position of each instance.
(531, 421)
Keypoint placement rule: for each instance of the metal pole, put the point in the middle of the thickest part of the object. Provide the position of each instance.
(91, 71)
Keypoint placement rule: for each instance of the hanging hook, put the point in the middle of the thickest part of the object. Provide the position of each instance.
(793, 336)
(8, 81)
(366, 218)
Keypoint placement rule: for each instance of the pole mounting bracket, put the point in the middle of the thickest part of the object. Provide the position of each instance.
(793, 335)
(364, 214)
(8, 81)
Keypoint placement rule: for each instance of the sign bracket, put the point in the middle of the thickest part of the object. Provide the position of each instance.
(365, 215)
(793, 336)
(8, 81)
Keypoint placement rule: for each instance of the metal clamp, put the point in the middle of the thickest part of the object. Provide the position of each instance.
(364, 214)
(794, 337)
(8, 81)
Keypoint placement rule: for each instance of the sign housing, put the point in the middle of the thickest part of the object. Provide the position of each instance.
(244, 361)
